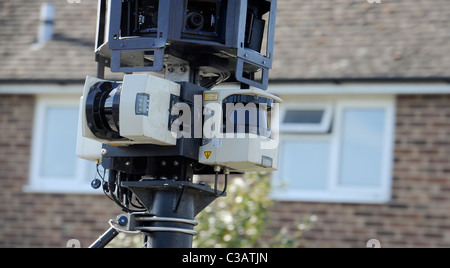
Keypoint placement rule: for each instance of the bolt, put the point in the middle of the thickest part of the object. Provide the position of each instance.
(176, 163)
(163, 163)
(226, 170)
(170, 70)
(96, 183)
(104, 151)
(217, 168)
(123, 220)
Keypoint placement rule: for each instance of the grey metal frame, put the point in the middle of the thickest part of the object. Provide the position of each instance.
(252, 57)
(170, 26)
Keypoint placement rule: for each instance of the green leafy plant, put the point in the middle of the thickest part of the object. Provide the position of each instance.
(241, 219)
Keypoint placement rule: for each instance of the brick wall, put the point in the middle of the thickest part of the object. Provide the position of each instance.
(39, 220)
(419, 212)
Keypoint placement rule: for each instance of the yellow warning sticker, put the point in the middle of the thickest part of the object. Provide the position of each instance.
(211, 96)
(208, 155)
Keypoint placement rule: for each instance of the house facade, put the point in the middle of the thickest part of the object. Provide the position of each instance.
(365, 126)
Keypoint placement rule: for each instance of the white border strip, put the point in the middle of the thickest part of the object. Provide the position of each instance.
(29, 89)
(359, 88)
(274, 88)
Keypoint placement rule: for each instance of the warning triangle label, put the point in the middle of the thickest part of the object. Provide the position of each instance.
(208, 155)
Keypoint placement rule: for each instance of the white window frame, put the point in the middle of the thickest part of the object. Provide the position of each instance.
(335, 192)
(39, 184)
(323, 127)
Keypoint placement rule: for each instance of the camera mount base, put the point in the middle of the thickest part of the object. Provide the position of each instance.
(171, 209)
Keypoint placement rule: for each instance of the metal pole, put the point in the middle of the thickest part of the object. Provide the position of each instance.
(173, 206)
(105, 239)
(180, 235)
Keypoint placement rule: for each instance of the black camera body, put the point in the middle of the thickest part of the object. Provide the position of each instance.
(218, 38)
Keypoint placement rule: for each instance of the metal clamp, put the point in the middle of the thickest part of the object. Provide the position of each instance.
(133, 224)
(139, 218)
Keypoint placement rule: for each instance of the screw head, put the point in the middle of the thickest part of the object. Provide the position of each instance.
(96, 183)
(123, 221)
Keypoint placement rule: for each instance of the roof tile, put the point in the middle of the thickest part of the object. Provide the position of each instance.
(317, 39)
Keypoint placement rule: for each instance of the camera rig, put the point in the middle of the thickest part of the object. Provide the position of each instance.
(151, 134)
(221, 39)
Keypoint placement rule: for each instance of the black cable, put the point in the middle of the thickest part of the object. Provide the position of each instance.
(215, 185)
(112, 189)
(130, 200)
(103, 181)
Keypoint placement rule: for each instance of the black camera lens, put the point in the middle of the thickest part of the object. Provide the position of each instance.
(102, 110)
(195, 21)
(111, 109)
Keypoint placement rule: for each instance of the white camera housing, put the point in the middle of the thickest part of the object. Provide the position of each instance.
(87, 149)
(143, 116)
(149, 127)
(241, 152)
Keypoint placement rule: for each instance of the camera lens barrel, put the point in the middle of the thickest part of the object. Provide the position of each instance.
(195, 21)
(111, 109)
(102, 110)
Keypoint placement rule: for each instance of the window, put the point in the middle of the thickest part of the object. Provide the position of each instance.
(306, 118)
(342, 152)
(54, 165)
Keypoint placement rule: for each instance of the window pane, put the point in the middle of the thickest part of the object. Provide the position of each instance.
(59, 145)
(304, 164)
(304, 116)
(362, 147)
